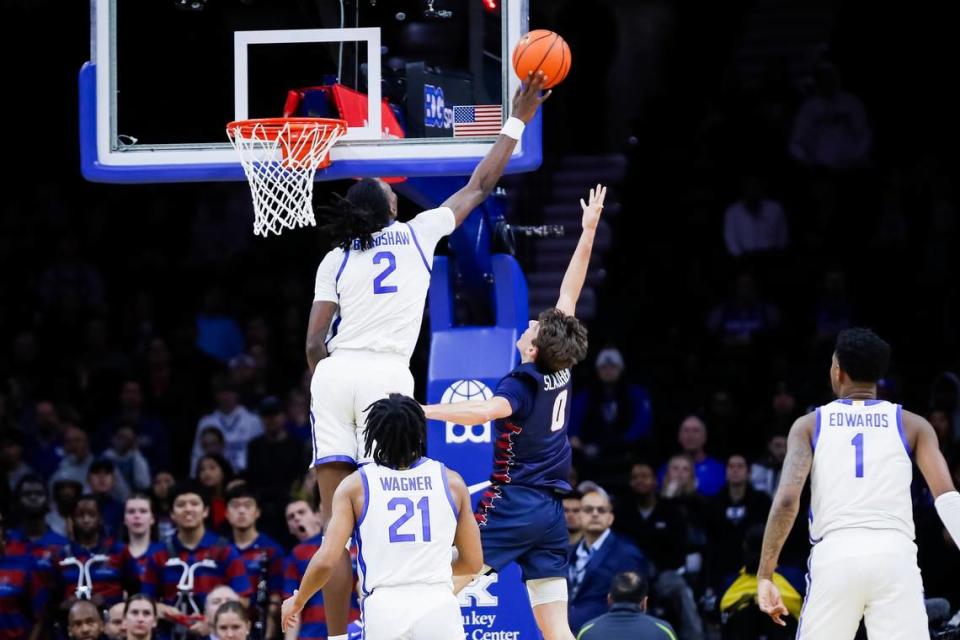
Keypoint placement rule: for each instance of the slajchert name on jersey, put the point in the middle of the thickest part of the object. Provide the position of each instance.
(386, 237)
(879, 420)
(556, 380)
(416, 483)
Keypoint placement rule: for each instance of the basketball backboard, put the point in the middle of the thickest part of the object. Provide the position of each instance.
(166, 76)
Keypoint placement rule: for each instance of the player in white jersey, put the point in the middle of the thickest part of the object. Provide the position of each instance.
(857, 451)
(367, 311)
(409, 513)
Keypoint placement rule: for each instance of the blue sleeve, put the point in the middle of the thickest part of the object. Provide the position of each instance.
(519, 392)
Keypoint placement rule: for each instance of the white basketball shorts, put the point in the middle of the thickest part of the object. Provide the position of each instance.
(412, 613)
(343, 386)
(864, 573)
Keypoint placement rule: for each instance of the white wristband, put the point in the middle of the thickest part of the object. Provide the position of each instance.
(948, 508)
(513, 128)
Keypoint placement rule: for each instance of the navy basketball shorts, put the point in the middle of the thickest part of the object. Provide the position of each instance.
(526, 526)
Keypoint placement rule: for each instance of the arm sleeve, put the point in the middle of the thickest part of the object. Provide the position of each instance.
(518, 391)
(325, 286)
(431, 225)
(948, 508)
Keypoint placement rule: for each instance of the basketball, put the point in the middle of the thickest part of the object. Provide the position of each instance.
(542, 50)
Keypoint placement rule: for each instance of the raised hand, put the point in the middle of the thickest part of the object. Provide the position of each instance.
(527, 99)
(593, 207)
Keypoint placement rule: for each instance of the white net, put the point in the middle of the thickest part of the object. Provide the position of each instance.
(280, 158)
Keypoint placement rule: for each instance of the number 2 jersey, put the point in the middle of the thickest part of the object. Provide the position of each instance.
(405, 532)
(380, 291)
(862, 470)
(532, 448)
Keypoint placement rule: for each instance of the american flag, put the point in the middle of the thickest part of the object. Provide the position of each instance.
(477, 120)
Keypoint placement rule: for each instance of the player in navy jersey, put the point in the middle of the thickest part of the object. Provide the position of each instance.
(260, 554)
(22, 594)
(521, 514)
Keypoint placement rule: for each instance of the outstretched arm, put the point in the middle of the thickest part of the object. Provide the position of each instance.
(796, 468)
(470, 412)
(525, 104)
(577, 269)
(322, 563)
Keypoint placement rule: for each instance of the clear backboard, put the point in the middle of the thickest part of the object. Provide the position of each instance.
(423, 85)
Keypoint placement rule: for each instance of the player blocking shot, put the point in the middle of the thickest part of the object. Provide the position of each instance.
(409, 512)
(367, 310)
(857, 451)
(521, 515)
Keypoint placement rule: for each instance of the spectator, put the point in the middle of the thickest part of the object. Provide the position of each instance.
(744, 317)
(102, 480)
(754, 223)
(113, 627)
(140, 527)
(831, 128)
(303, 520)
(65, 496)
(298, 416)
(213, 474)
(737, 508)
(45, 443)
(12, 465)
(109, 579)
(193, 543)
(124, 453)
(212, 441)
(39, 540)
(709, 472)
(217, 598)
(231, 622)
(594, 560)
(834, 310)
(945, 396)
(262, 557)
(627, 618)
(23, 596)
(571, 513)
(765, 474)
(152, 433)
(139, 617)
(218, 334)
(163, 482)
(238, 424)
(275, 461)
(741, 618)
(84, 621)
(612, 412)
(77, 457)
(659, 529)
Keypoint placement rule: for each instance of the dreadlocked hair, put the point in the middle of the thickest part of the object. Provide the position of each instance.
(352, 220)
(396, 431)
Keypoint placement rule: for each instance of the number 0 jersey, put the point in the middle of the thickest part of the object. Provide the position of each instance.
(405, 533)
(862, 469)
(380, 291)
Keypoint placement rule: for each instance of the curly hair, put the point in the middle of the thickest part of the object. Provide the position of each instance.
(561, 341)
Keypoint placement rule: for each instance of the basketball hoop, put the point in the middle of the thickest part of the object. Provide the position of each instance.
(280, 157)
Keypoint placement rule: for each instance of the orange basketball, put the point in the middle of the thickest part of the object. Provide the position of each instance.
(542, 50)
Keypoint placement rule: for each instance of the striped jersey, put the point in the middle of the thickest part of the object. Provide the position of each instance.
(109, 579)
(862, 469)
(313, 618)
(23, 596)
(263, 560)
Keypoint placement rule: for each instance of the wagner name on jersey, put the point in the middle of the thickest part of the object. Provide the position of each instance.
(862, 470)
(406, 529)
(380, 291)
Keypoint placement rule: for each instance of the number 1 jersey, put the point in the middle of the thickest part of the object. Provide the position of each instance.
(380, 291)
(862, 469)
(405, 532)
